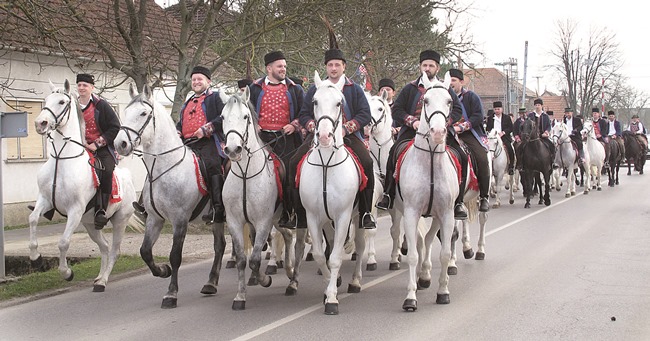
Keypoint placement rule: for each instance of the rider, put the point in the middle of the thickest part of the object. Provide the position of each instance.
(471, 131)
(503, 125)
(543, 122)
(277, 101)
(516, 131)
(243, 83)
(200, 119)
(102, 125)
(406, 112)
(388, 85)
(636, 127)
(601, 129)
(357, 116)
(574, 126)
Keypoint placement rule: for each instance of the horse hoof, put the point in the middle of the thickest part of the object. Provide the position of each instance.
(169, 303)
(547, 203)
(371, 267)
(99, 288)
(209, 289)
(599, 189)
(238, 305)
(271, 270)
(442, 299)
(527, 205)
(290, 291)
(230, 264)
(568, 195)
(540, 202)
(280, 264)
(423, 284)
(71, 277)
(410, 304)
(585, 192)
(339, 281)
(354, 256)
(593, 187)
(331, 308)
(38, 263)
(573, 193)
(393, 266)
(252, 282)
(166, 271)
(354, 289)
(468, 254)
(310, 257)
(452, 271)
(616, 182)
(267, 283)
(480, 256)
(268, 255)
(512, 201)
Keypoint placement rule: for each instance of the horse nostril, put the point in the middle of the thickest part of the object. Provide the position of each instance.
(43, 123)
(123, 145)
(238, 149)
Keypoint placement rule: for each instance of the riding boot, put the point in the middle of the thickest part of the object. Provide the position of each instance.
(511, 168)
(460, 213)
(484, 204)
(366, 220)
(291, 219)
(286, 207)
(217, 211)
(581, 155)
(100, 210)
(387, 200)
(140, 211)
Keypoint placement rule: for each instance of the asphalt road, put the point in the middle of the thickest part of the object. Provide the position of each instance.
(576, 270)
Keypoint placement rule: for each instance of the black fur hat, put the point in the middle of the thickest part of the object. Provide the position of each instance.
(84, 77)
(456, 73)
(202, 70)
(273, 56)
(430, 54)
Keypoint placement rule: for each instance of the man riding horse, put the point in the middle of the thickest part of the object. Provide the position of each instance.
(357, 115)
(277, 101)
(543, 122)
(102, 125)
(601, 128)
(503, 125)
(407, 110)
(574, 125)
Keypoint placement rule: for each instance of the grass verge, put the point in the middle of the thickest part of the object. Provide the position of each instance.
(51, 280)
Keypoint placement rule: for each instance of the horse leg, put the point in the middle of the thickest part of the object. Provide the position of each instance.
(468, 252)
(425, 246)
(151, 234)
(219, 246)
(482, 220)
(360, 246)
(395, 234)
(99, 284)
(547, 188)
(453, 269)
(277, 244)
(236, 229)
(411, 217)
(40, 207)
(370, 234)
(261, 237)
(511, 193)
(297, 253)
(74, 217)
(444, 224)
(175, 260)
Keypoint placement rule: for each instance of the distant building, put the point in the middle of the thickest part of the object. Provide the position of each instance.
(492, 85)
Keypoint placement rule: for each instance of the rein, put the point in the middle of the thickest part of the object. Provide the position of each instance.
(380, 145)
(498, 149)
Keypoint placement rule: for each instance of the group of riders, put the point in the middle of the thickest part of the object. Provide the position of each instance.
(285, 114)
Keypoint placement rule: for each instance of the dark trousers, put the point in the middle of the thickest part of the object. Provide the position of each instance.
(105, 169)
(507, 143)
(284, 146)
(359, 148)
(480, 155)
(577, 139)
(207, 151)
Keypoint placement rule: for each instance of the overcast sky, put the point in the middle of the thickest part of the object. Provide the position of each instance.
(501, 27)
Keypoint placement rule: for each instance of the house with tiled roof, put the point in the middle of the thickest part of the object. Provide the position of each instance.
(29, 60)
(491, 84)
(555, 103)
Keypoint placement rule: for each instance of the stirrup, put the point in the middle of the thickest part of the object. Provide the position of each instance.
(372, 224)
(290, 223)
(100, 219)
(385, 203)
(459, 212)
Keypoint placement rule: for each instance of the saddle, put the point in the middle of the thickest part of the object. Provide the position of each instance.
(472, 184)
(116, 195)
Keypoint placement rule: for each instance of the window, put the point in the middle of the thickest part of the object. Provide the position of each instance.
(32, 147)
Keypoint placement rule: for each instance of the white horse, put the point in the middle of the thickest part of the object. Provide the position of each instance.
(250, 193)
(380, 142)
(328, 186)
(565, 157)
(596, 152)
(171, 191)
(499, 168)
(66, 185)
(428, 186)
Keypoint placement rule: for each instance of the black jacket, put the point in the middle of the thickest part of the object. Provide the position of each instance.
(506, 127)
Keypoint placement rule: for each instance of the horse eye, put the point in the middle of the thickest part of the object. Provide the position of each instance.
(338, 104)
(315, 102)
(61, 102)
(426, 101)
(221, 117)
(381, 109)
(245, 117)
(144, 113)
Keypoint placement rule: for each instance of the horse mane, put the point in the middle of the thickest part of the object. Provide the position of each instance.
(252, 113)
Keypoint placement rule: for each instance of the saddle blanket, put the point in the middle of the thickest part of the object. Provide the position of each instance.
(277, 166)
(116, 192)
(200, 180)
(362, 175)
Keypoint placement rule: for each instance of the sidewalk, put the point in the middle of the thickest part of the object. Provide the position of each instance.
(197, 246)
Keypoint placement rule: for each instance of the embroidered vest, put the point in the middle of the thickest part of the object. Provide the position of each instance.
(274, 109)
(92, 130)
(193, 116)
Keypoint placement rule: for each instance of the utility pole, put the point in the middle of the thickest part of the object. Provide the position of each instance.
(510, 71)
(537, 91)
(523, 97)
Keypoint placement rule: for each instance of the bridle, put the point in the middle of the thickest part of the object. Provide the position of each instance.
(373, 127)
(335, 121)
(498, 147)
(138, 133)
(58, 119)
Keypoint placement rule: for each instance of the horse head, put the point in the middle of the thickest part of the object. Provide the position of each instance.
(239, 123)
(494, 140)
(560, 132)
(529, 130)
(436, 105)
(381, 116)
(138, 115)
(328, 103)
(56, 110)
(588, 130)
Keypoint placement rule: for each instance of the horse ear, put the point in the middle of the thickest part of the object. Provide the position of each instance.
(66, 86)
(425, 80)
(317, 80)
(223, 96)
(52, 86)
(384, 95)
(447, 80)
(132, 90)
(146, 91)
(246, 95)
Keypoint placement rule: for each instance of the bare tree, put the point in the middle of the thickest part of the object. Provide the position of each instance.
(584, 66)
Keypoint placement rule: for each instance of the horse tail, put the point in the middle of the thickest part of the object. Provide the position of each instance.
(248, 243)
(472, 210)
